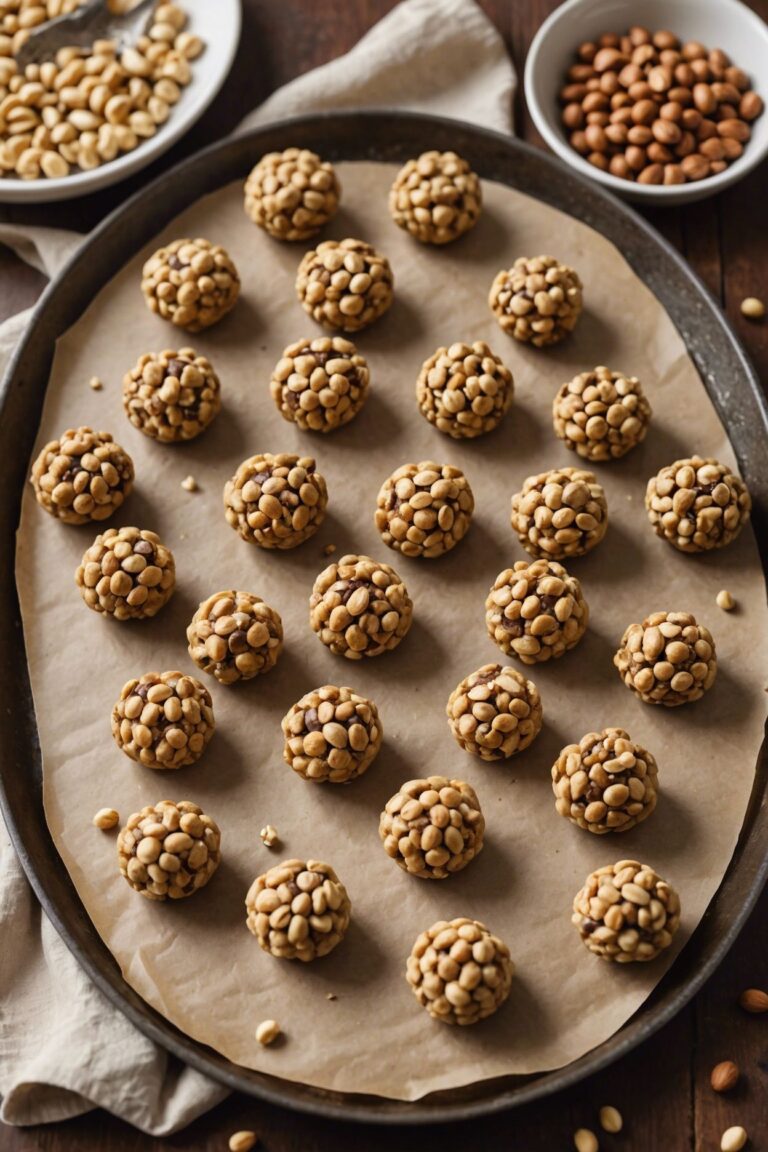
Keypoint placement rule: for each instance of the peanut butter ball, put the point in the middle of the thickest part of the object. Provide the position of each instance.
(536, 611)
(560, 513)
(191, 283)
(235, 636)
(127, 574)
(697, 504)
(168, 851)
(601, 415)
(459, 971)
(626, 913)
(436, 197)
(298, 910)
(172, 396)
(360, 607)
(320, 384)
(433, 827)
(345, 284)
(292, 194)
(82, 476)
(538, 300)
(464, 390)
(163, 720)
(424, 509)
(331, 734)
(669, 659)
(494, 712)
(606, 782)
(276, 501)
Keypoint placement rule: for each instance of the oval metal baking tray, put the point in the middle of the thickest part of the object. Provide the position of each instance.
(729, 379)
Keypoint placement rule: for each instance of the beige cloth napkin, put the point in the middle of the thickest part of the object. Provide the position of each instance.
(63, 1048)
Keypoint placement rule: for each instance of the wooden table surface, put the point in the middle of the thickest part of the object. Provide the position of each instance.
(662, 1088)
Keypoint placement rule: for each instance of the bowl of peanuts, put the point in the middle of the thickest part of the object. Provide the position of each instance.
(658, 100)
(86, 117)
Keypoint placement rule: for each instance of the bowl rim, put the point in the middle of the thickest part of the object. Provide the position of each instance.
(749, 159)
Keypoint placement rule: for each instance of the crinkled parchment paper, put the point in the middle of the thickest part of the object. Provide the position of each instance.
(195, 961)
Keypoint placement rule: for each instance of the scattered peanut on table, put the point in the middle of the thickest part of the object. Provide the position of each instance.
(724, 1076)
(584, 1140)
(611, 1119)
(243, 1141)
(752, 308)
(754, 1000)
(733, 1139)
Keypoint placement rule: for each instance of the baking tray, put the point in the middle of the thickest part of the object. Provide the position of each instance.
(729, 379)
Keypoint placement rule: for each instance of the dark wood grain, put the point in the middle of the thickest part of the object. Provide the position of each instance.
(662, 1088)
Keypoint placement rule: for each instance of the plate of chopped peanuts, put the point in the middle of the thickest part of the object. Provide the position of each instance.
(89, 117)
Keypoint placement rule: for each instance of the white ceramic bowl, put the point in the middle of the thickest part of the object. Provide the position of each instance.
(726, 24)
(218, 23)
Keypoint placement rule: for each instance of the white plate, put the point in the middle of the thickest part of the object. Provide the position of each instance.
(218, 23)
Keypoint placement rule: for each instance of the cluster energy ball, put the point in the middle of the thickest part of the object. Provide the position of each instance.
(538, 300)
(345, 284)
(459, 971)
(292, 194)
(81, 476)
(298, 910)
(697, 504)
(127, 573)
(191, 283)
(436, 197)
(626, 913)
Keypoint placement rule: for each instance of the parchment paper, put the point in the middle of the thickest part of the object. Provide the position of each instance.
(195, 961)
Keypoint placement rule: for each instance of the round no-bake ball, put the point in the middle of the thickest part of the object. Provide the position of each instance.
(82, 476)
(433, 827)
(320, 384)
(625, 912)
(163, 719)
(191, 283)
(127, 573)
(276, 501)
(669, 659)
(298, 910)
(538, 300)
(424, 509)
(167, 851)
(459, 971)
(606, 782)
(292, 194)
(345, 284)
(436, 197)
(495, 712)
(331, 734)
(601, 414)
(172, 396)
(697, 504)
(560, 513)
(360, 607)
(235, 636)
(464, 390)
(536, 611)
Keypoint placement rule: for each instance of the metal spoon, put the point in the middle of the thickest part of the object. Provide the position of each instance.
(93, 21)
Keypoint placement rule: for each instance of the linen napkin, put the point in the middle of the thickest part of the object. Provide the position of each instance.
(64, 1049)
